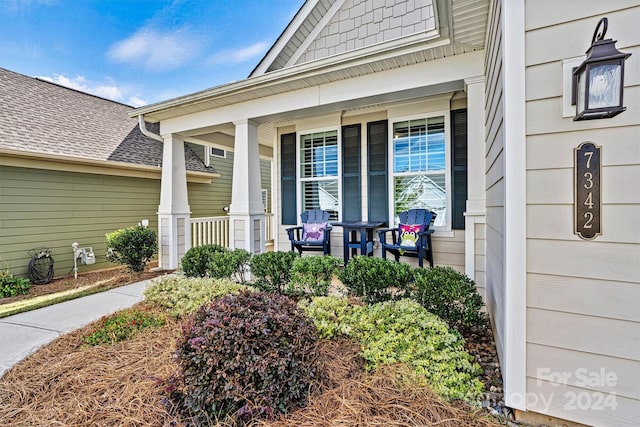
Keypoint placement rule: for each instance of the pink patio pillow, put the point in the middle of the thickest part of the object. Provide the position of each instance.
(408, 234)
(313, 232)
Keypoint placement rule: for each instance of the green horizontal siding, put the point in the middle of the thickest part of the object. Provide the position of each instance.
(53, 209)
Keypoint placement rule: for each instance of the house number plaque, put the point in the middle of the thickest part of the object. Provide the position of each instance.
(587, 202)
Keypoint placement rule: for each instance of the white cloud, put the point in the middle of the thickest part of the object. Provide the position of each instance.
(236, 56)
(156, 51)
(82, 84)
(134, 101)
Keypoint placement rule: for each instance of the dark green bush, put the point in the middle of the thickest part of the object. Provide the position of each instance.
(376, 279)
(11, 286)
(196, 260)
(132, 246)
(272, 270)
(313, 274)
(450, 295)
(228, 264)
(247, 356)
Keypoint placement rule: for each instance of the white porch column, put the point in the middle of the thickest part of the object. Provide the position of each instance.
(174, 213)
(246, 213)
(476, 207)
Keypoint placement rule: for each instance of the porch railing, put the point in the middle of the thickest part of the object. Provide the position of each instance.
(214, 230)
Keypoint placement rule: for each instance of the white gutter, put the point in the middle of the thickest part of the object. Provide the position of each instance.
(145, 131)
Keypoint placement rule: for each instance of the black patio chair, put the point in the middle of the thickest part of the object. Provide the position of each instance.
(411, 238)
(314, 234)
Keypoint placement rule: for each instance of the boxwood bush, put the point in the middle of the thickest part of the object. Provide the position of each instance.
(272, 270)
(249, 356)
(376, 279)
(450, 295)
(181, 295)
(132, 246)
(403, 332)
(313, 274)
(195, 261)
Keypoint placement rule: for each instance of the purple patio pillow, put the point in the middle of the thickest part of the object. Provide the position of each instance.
(408, 234)
(313, 232)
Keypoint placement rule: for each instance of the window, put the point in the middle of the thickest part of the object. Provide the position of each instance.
(265, 199)
(319, 172)
(217, 152)
(419, 152)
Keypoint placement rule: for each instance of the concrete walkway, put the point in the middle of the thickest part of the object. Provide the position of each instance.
(22, 334)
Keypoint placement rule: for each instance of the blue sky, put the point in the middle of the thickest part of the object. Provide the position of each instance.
(139, 51)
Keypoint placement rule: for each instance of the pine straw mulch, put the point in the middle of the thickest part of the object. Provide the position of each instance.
(122, 385)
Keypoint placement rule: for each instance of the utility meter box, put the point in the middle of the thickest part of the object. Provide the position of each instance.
(88, 257)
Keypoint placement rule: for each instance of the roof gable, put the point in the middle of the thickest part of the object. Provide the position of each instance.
(324, 28)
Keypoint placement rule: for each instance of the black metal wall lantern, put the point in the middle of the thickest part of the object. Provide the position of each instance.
(599, 81)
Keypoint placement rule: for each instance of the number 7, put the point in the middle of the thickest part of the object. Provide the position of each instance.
(588, 154)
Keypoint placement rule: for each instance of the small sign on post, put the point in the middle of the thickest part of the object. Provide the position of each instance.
(587, 203)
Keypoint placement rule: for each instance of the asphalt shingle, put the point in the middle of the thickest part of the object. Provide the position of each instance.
(37, 116)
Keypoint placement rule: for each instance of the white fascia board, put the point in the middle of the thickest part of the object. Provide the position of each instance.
(515, 250)
(284, 39)
(424, 74)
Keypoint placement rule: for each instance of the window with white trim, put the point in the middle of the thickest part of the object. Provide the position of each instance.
(217, 152)
(319, 172)
(420, 167)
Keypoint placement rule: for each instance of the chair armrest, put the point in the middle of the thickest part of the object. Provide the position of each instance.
(290, 231)
(382, 235)
(426, 232)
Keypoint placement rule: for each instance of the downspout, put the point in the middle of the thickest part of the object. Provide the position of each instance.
(145, 131)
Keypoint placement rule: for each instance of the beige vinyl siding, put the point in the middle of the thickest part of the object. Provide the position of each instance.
(53, 209)
(494, 170)
(582, 296)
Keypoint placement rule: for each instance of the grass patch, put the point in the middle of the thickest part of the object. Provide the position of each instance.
(47, 300)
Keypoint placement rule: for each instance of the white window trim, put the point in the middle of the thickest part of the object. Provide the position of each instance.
(440, 230)
(208, 155)
(299, 179)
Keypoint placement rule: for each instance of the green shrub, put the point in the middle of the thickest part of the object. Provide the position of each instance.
(313, 274)
(272, 270)
(450, 295)
(376, 279)
(196, 260)
(133, 247)
(402, 332)
(229, 265)
(249, 355)
(121, 326)
(181, 295)
(11, 286)
(331, 315)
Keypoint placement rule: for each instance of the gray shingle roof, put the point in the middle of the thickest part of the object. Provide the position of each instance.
(37, 116)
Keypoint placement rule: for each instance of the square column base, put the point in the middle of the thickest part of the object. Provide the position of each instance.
(174, 239)
(247, 231)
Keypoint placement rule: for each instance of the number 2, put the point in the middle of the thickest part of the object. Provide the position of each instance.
(589, 217)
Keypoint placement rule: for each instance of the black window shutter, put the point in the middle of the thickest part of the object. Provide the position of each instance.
(351, 182)
(459, 167)
(378, 172)
(288, 199)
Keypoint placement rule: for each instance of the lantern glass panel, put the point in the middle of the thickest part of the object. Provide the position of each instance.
(580, 104)
(604, 85)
